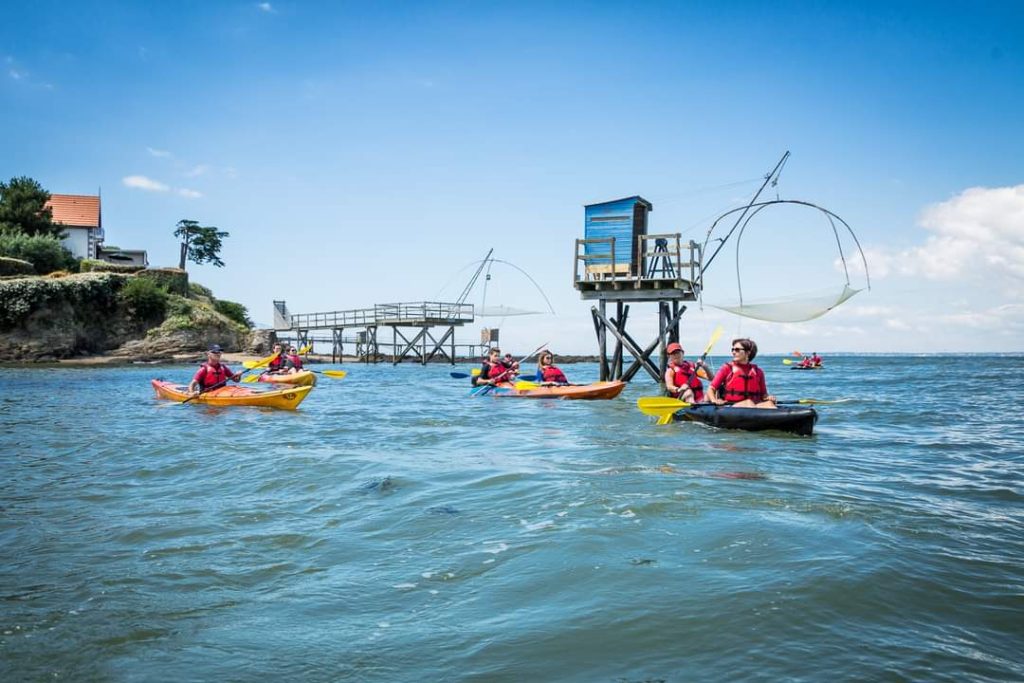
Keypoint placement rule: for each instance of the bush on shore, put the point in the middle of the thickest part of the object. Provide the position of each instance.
(44, 252)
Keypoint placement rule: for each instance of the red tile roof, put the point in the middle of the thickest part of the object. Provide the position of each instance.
(76, 209)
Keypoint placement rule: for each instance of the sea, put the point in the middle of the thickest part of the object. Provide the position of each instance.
(395, 528)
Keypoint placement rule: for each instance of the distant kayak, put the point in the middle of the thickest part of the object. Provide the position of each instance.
(807, 367)
(300, 378)
(798, 420)
(594, 391)
(286, 399)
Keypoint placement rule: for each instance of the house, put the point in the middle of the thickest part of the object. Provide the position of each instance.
(82, 220)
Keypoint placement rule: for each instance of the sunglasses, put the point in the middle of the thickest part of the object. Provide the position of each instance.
(738, 348)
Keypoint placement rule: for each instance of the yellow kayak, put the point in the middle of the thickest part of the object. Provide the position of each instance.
(300, 378)
(286, 399)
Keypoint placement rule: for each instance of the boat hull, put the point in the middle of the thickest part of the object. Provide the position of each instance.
(597, 391)
(301, 378)
(796, 420)
(284, 399)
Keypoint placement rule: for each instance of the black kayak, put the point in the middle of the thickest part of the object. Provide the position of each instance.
(797, 420)
(802, 367)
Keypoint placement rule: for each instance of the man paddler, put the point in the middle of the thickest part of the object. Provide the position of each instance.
(212, 373)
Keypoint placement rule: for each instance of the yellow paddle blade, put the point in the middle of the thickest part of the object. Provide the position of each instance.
(250, 364)
(335, 373)
(787, 361)
(527, 385)
(475, 372)
(714, 337)
(661, 407)
(249, 379)
(305, 349)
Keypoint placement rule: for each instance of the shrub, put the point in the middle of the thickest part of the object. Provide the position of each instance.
(197, 291)
(44, 252)
(92, 294)
(15, 266)
(145, 299)
(94, 266)
(233, 311)
(179, 306)
(173, 280)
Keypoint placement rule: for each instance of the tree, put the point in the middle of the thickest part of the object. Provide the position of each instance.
(199, 243)
(22, 202)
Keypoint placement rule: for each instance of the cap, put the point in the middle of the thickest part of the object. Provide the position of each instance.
(673, 347)
(215, 348)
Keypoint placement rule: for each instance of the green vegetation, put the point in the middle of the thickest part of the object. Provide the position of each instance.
(145, 299)
(15, 266)
(21, 209)
(44, 252)
(199, 243)
(233, 311)
(89, 295)
(94, 266)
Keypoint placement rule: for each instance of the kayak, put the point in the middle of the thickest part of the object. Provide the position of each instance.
(286, 399)
(797, 420)
(802, 367)
(594, 391)
(300, 378)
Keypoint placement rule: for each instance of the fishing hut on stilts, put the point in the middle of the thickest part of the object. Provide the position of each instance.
(618, 264)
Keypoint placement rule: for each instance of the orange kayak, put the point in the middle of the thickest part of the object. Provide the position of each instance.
(286, 399)
(300, 378)
(592, 392)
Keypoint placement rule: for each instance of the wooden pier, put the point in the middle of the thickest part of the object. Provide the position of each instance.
(417, 319)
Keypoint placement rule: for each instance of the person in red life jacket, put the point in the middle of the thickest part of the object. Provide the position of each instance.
(741, 383)
(493, 371)
(681, 380)
(511, 364)
(294, 361)
(547, 373)
(280, 364)
(212, 373)
(816, 360)
(806, 362)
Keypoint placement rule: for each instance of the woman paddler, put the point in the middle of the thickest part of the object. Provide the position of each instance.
(547, 373)
(212, 373)
(740, 383)
(681, 380)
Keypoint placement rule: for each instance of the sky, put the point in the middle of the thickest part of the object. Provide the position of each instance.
(362, 153)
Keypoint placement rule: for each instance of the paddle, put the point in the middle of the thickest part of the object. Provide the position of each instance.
(263, 362)
(476, 372)
(787, 361)
(337, 374)
(701, 370)
(661, 407)
(488, 387)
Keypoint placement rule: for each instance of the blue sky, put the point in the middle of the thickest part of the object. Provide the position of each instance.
(361, 154)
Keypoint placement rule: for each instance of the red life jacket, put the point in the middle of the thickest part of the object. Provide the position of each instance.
(742, 384)
(295, 361)
(685, 375)
(277, 363)
(210, 376)
(498, 370)
(552, 374)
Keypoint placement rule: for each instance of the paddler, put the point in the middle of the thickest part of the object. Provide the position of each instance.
(739, 382)
(547, 374)
(212, 373)
(294, 361)
(280, 363)
(493, 371)
(681, 380)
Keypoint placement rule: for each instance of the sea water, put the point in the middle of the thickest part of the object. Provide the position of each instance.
(396, 529)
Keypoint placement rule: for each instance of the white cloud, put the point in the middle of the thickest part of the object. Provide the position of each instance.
(266, 7)
(141, 182)
(159, 153)
(198, 170)
(189, 194)
(979, 234)
(15, 74)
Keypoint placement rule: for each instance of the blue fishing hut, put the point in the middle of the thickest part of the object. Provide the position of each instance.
(619, 263)
(611, 235)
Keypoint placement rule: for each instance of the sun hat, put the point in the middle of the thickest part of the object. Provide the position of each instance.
(673, 347)
(215, 348)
